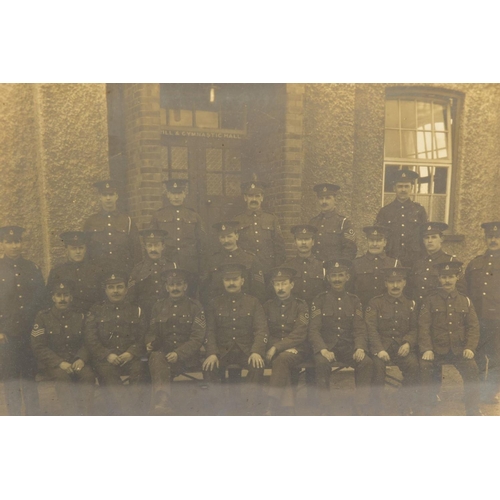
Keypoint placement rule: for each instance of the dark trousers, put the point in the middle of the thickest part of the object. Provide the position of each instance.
(18, 369)
(468, 371)
(280, 384)
(75, 391)
(362, 373)
(123, 400)
(488, 354)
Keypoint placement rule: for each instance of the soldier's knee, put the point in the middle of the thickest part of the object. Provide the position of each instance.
(59, 375)
(87, 375)
(284, 360)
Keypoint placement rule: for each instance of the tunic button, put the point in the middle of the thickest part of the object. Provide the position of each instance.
(67, 337)
(109, 234)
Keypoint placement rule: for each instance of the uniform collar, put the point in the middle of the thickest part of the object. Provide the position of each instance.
(116, 305)
(234, 296)
(404, 203)
(328, 215)
(250, 211)
(13, 262)
(285, 302)
(435, 255)
(334, 293)
(391, 299)
(60, 314)
(381, 256)
(494, 254)
(232, 252)
(105, 213)
(306, 259)
(445, 294)
(178, 301)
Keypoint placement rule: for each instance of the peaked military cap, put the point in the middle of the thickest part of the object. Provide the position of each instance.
(226, 227)
(115, 276)
(232, 270)
(433, 228)
(376, 231)
(253, 187)
(404, 176)
(175, 275)
(325, 188)
(60, 286)
(176, 185)
(491, 227)
(305, 230)
(11, 233)
(282, 273)
(74, 238)
(396, 273)
(153, 234)
(447, 268)
(105, 187)
(337, 265)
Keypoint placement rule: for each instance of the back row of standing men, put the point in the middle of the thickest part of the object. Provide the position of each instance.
(111, 241)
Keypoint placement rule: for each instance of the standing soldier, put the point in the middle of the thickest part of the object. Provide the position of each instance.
(483, 284)
(145, 284)
(174, 339)
(231, 253)
(403, 217)
(114, 237)
(260, 231)
(22, 295)
(448, 332)
(114, 335)
(309, 279)
(80, 271)
(337, 332)
(57, 342)
(391, 322)
(237, 333)
(368, 270)
(288, 319)
(335, 238)
(187, 240)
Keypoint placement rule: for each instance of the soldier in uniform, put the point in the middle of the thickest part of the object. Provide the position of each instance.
(403, 217)
(260, 231)
(57, 342)
(22, 295)
(335, 238)
(174, 338)
(337, 332)
(228, 254)
(483, 284)
(368, 270)
(288, 321)
(80, 271)
(237, 333)
(309, 279)
(114, 335)
(391, 322)
(114, 237)
(187, 240)
(145, 284)
(448, 332)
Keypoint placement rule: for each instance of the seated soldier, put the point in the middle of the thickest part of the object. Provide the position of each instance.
(114, 334)
(237, 334)
(57, 342)
(448, 333)
(392, 335)
(337, 332)
(174, 338)
(288, 319)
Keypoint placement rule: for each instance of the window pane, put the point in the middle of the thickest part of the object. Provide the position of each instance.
(424, 145)
(392, 144)
(233, 161)
(207, 119)
(214, 184)
(408, 114)
(391, 114)
(179, 158)
(214, 159)
(423, 185)
(441, 144)
(232, 185)
(440, 118)
(180, 118)
(409, 146)
(440, 180)
(424, 116)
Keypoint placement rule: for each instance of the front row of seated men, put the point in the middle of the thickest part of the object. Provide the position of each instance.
(114, 340)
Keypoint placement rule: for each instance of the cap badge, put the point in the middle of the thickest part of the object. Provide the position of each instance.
(403, 175)
(174, 274)
(304, 230)
(175, 184)
(279, 273)
(11, 232)
(61, 286)
(337, 264)
(152, 235)
(495, 228)
(394, 273)
(375, 232)
(223, 227)
(113, 277)
(447, 268)
(429, 228)
(107, 184)
(324, 189)
(253, 186)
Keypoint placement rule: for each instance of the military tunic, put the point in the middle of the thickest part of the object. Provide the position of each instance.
(309, 280)
(335, 238)
(260, 234)
(404, 220)
(114, 238)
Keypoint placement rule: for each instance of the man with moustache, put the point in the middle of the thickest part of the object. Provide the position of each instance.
(253, 282)
(114, 237)
(145, 285)
(335, 238)
(337, 332)
(288, 319)
(448, 333)
(368, 270)
(483, 284)
(259, 231)
(309, 278)
(22, 295)
(114, 335)
(186, 240)
(237, 334)
(174, 338)
(79, 270)
(403, 218)
(391, 322)
(57, 342)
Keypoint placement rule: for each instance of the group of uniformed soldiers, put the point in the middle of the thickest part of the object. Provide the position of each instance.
(110, 312)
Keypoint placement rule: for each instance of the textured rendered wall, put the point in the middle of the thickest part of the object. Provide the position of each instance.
(54, 145)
